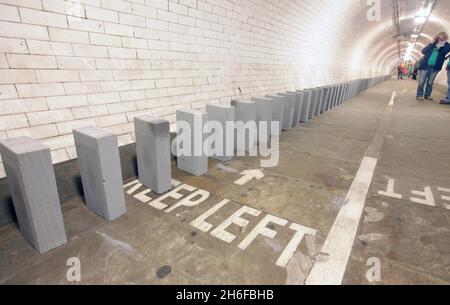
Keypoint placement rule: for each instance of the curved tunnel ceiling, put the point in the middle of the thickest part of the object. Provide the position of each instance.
(378, 45)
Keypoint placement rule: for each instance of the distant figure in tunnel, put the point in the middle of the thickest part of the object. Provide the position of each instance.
(432, 63)
(400, 71)
(446, 101)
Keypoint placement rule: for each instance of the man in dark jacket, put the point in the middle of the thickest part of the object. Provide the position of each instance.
(432, 63)
(447, 99)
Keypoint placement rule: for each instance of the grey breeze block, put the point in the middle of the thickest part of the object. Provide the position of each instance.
(101, 174)
(281, 110)
(330, 98)
(277, 114)
(306, 105)
(195, 164)
(223, 114)
(314, 98)
(289, 110)
(323, 104)
(295, 107)
(319, 101)
(245, 111)
(32, 185)
(153, 153)
(264, 113)
(298, 107)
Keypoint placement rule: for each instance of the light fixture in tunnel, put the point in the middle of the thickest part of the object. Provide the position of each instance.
(409, 51)
(422, 16)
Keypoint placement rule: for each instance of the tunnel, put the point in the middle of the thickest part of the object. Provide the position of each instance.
(224, 142)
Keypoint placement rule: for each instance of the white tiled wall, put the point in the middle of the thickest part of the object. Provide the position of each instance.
(66, 64)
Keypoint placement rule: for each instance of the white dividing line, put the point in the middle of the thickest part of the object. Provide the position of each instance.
(339, 243)
(394, 95)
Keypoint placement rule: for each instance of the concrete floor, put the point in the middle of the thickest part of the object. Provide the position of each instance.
(318, 163)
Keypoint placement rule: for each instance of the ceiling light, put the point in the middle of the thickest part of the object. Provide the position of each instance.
(423, 14)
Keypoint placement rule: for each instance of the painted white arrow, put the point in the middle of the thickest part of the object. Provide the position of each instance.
(249, 175)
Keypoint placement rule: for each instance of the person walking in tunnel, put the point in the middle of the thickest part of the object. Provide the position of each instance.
(400, 71)
(432, 63)
(446, 101)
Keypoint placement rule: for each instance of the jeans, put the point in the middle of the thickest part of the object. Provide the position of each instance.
(426, 78)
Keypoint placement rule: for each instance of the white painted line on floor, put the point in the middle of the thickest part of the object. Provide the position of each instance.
(289, 251)
(427, 194)
(394, 95)
(390, 190)
(338, 246)
(249, 175)
(339, 243)
(446, 198)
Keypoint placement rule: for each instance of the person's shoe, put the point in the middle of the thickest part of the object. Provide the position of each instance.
(429, 98)
(444, 102)
(420, 98)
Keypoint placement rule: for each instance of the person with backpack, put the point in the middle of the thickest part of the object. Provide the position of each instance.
(432, 63)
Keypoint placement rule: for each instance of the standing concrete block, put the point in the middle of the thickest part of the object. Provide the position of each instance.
(323, 104)
(301, 105)
(344, 99)
(264, 114)
(298, 107)
(326, 97)
(341, 94)
(347, 92)
(101, 174)
(279, 105)
(153, 153)
(223, 115)
(289, 111)
(338, 94)
(32, 185)
(352, 93)
(329, 98)
(295, 107)
(245, 112)
(319, 101)
(193, 160)
(314, 99)
(341, 98)
(307, 95)
(338, 98)
(288, 106)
